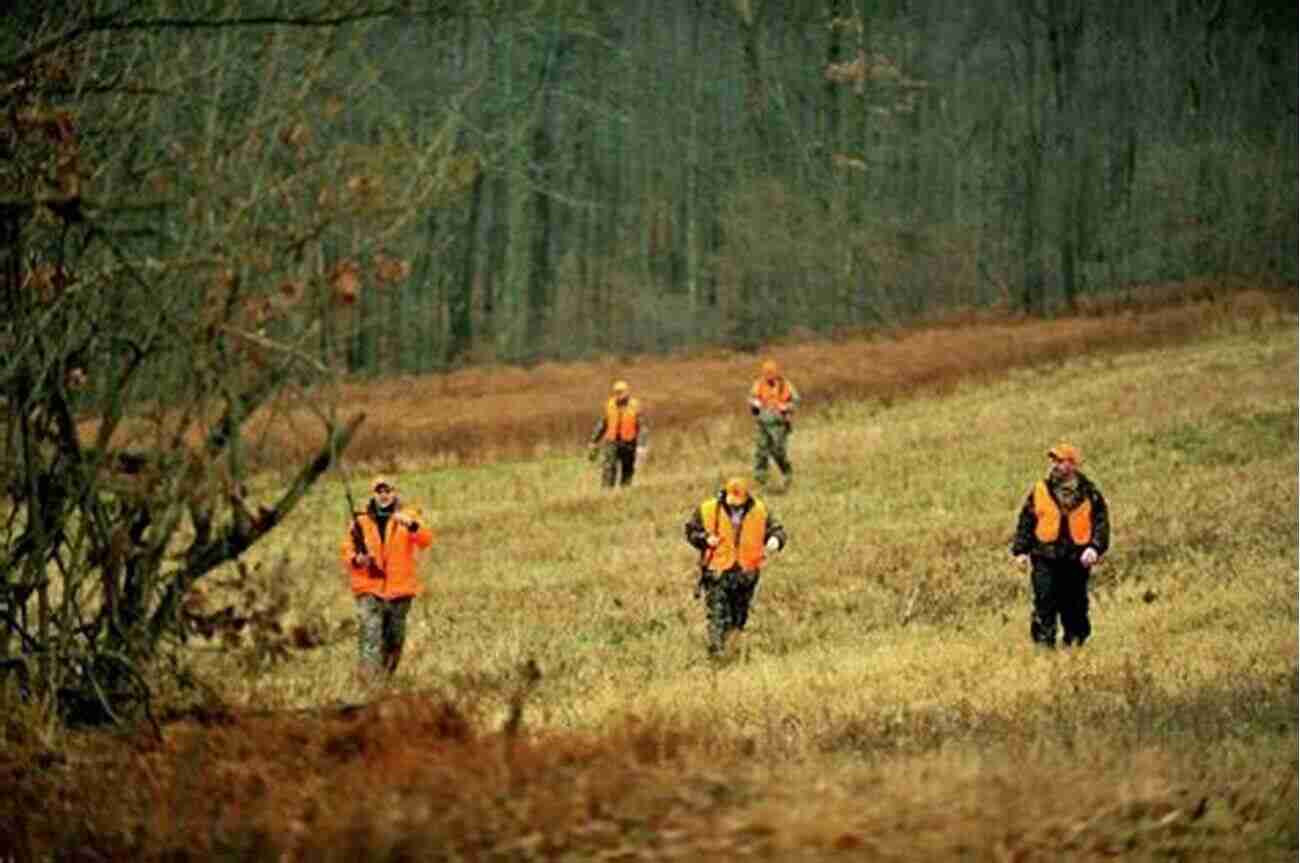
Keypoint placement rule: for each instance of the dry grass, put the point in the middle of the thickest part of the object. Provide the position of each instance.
(886, 704)
(490, 414)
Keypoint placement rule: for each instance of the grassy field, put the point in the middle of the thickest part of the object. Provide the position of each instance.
(555, 702)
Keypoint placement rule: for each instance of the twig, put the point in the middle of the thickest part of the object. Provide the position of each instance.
(911, 603)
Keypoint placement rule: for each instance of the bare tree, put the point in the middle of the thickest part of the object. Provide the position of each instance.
(185, 228)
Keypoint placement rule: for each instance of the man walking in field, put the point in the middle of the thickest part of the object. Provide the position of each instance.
(772, 400)
(1062, 531)
(620, 436)
(379, 552)
(734, 532)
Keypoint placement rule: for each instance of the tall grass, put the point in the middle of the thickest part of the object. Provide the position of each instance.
(886, 702)
(485, 414)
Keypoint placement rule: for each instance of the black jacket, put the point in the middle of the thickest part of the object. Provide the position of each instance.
(1063, 548)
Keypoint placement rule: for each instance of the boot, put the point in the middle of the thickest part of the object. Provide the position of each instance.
(391, 658)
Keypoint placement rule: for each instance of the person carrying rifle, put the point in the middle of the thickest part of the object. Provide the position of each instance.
(379, 552)
(735, 533)
(772, 400)
(620, 436)
(1062, 531)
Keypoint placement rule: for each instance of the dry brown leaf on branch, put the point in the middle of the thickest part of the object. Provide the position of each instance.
(227, 280)
(363, 185)
(390, 270)
(257, 310)
(296, 136)
(47, 280)
(345, 281)
(262, 261)
(67, 172)
(292, 290)
(57, 125)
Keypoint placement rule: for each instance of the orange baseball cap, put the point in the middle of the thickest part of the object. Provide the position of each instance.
(770, 368)
(1065, 452)
(737, 490)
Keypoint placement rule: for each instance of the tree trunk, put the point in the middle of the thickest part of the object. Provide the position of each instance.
(460, 301)
(1032, 278)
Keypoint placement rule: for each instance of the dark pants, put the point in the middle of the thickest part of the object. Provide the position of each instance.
(619, 463)
(727, 597)
(1060, 591)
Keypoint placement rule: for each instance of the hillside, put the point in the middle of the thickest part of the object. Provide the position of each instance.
(556, 704)
(483, 414)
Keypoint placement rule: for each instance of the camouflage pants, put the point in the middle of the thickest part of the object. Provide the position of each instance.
(381, 630)
(1060, 591)
(770, 443)
(618, 464)
(727, 598)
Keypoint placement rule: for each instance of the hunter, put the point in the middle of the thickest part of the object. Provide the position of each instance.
(734, 533)
(620, 436)
(772, 401)
(379, 554)
(1062, 532)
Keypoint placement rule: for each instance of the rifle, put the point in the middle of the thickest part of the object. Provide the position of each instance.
(359, 536)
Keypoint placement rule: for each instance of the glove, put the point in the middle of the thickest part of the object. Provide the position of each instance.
(641, 452)
(773, 544)
(360, 561)
(711, 541)
(592, 451)
(1020, 560)
(1089, 556)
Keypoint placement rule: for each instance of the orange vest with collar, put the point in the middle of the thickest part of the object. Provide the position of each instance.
(621, 421)
(1048, 513)
(747, 548)
(772, 395)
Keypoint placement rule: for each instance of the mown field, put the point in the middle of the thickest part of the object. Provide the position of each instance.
(555, 702)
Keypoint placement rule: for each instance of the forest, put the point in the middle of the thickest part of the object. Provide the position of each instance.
(508, 181)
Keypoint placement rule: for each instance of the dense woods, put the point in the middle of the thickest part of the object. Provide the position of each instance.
(656, 174)
(646, 174)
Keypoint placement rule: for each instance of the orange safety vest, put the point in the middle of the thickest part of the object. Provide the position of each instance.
(1049, 517)
(394, 554)
(621, 423)
(749, 549)
(772, 395)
